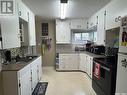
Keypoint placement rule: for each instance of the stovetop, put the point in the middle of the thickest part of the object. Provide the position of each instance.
(107, 61)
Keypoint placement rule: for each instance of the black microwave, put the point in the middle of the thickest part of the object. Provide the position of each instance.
(99, 50)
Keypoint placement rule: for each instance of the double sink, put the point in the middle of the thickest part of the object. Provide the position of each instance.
(19, 60)
(25, 59)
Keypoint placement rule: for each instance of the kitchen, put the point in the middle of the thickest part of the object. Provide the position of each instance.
(89, 44)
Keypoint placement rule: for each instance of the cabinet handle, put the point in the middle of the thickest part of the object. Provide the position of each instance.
(30, 78)
(105, 68)
(19, 35)
(19, 84)
(20, 13)
(124, 63)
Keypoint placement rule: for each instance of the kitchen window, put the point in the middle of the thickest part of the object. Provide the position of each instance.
(84, 37)
(80, 38)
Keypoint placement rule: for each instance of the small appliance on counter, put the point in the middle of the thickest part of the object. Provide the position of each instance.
(96, 49)
(79, 48)
(99, 49)
(7, 55)
(111, 51)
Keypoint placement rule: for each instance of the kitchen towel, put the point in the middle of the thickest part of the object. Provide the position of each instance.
(97, 70)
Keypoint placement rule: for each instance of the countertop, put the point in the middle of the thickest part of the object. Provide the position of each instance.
(82, 52)
(16, 66)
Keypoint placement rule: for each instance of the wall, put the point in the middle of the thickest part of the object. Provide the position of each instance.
(48, 59)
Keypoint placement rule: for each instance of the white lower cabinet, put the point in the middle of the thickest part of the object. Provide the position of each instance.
(23, 81)
(82, 62)
(90, 66)
(34, 74)
(39, 60)
(86, 63)
(68, 61)
(75, 61)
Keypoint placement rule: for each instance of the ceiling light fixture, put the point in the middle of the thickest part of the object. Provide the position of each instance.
(63, 8)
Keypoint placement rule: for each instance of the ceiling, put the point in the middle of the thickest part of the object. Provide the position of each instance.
(50, 9)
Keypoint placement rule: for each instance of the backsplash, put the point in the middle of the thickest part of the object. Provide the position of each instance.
(21, 51)
(16, 51)
(63, 47)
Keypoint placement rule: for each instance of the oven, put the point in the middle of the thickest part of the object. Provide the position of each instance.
(103, 81)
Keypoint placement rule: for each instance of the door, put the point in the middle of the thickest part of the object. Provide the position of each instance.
(121, 86)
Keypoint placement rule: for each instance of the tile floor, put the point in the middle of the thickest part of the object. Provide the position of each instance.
(66, 83)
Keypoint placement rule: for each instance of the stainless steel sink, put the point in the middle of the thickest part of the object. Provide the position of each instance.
(26, 59)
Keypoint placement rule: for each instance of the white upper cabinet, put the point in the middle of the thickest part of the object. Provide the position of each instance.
(31, 28)
(23, 11)
(101, 27)
(27, 15)
(63, 33)
(113, 10)
(108, 20)
(93, 21)
(79, 24)
(10, 29)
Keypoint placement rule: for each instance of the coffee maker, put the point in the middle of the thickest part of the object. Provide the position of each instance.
(7, 55)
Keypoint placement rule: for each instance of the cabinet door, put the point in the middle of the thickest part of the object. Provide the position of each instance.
(101, 28)
(24, 77)
(31, 24)
(72, 62)
(86, 62)
(68, 62)
(62, 61)
(78, 24)
(25, 84)
(93, 21)
(39, 60)
(34, 74)
(88, 66)
(82, 64)
(63, 34)
(23, 11)
(115, 9)
(91, 66)
(10, 31)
